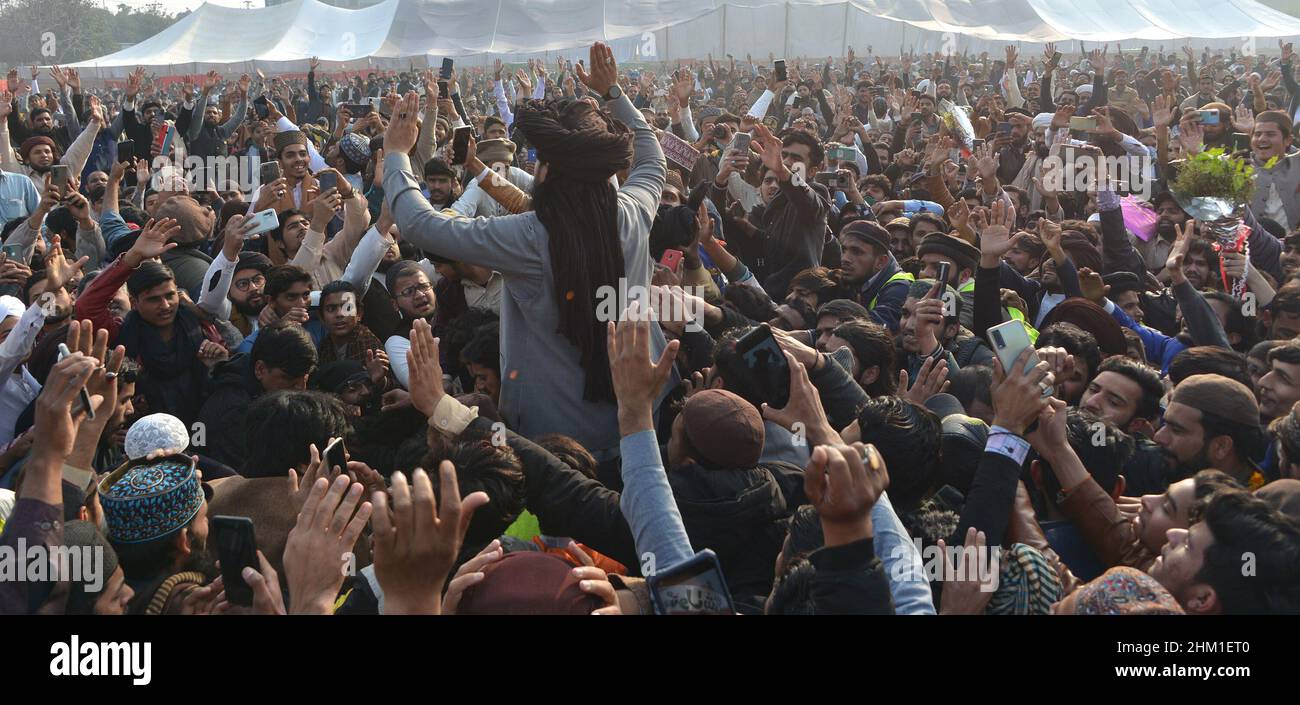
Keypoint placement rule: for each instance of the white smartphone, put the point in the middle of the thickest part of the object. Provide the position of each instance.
(315, 299)
(1009, 340)
(264, 221)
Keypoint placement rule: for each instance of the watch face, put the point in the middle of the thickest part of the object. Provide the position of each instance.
(615, 92)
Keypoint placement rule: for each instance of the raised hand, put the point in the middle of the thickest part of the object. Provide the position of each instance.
(424, 369)
(1018, 393)
(404, 127)
(415, 545)
(604, 70)
(1177, 253)
(153, 241)
(844, 482)
(963, 591)
(317, 548)
(637, 379)
(804, 407)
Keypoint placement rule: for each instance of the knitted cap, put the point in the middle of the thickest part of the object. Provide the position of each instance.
(289, 137)
(1218, 395)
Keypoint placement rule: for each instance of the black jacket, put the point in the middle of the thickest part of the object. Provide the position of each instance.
(233, 389)
(850, 580)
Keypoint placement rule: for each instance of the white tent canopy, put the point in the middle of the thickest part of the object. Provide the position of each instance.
(396, 33)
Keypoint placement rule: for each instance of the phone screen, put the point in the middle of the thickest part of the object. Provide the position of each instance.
(765, 366)
(237, 549)
(694, 587)
(126, 151)
(270, 171)
(445, 72)
(778, 67)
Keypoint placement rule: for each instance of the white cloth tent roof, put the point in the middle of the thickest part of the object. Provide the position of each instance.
(284, 36)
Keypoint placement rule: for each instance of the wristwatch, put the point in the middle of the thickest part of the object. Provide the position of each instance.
(614, 92)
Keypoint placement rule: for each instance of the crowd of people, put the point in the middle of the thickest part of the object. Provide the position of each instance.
(430, 302)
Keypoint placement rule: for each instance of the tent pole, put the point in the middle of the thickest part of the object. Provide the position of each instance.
(786, 50)
(724, 31)
(844, 47)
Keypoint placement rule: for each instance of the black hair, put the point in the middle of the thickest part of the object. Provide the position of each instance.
(147, 560)
(338, 286)
(281, 277)
(1245, 525)
(404, 268)
(1288, 352)
(569, 451)
(1148, 405)
(281, 425)
(815, 151)
(484, 467)
(930, 218)
(284, 346)
(872, 345)
(843, 310)
(1248, 441)
(1103, 460)
(284, 216)
(1076, 341)
(908, 438)
(484, 348)
(1209, 360)
(971, 384)
(825, 283)
(148, 275)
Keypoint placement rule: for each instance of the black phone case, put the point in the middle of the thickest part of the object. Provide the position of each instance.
(236, 552)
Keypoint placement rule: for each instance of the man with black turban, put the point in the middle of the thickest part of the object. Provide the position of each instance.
(569, 265)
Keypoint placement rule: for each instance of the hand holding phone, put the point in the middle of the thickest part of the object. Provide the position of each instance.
(237, 550)
(672, 259)
(85, 396)
(1009, 340)
(696, 586)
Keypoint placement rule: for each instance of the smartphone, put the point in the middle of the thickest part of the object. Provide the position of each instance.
(261, 107)
(672, 259)
(763, 368)
(977, 142)
(1083, 124)
(445, 72)
(942, 276)
(914, 117)
(359, 110)
(843, 154)
(740, 143)
(778, 67)
(1240, 141)
(1004, 128)
(829, 179)
(264, 221)
(126, 151)
(1009, 340)
(237, 549)
(1056, 58)
(327, 180)
(1208, 117)
(85, 396)
(269, 172)
(60, 173)
(313, 299)
(532, 154)
(13, 252)
(460, 144)
(696, 586)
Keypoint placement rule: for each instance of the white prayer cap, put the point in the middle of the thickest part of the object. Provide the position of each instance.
(156, 432)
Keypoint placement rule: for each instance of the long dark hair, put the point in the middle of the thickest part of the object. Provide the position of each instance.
(582, 147)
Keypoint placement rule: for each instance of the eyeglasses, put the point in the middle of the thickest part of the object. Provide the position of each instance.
(409, 291)
(249, 282)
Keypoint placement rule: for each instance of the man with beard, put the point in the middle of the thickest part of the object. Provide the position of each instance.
(413, 294)
(157, 515)
(441, 182)
(233, 284)
(1213, 422)
(205, 135)
(867, 264)
(1279, 388)
(40, 151)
